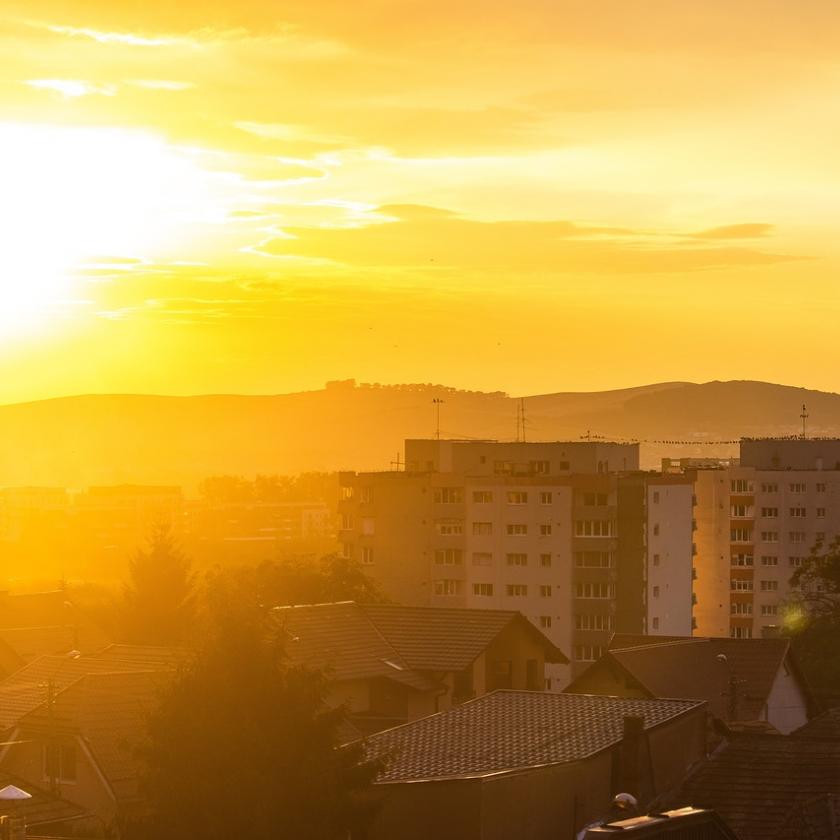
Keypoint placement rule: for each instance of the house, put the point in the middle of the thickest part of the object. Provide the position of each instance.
(50, 815)
(770, 787)
(391, 664)
(72, 724)
(742, 680)
(529, 764)
(678, 824)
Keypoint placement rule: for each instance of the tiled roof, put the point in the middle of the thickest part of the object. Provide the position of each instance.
(446, 639)
(43, 807)
(814, 819)
(826, 725)
(30, 642)
(26, 689)
(755, 782)
(691, 668)
(110, 712)
(341, 639)
(142, 655)
(627, 640)
(512, 730)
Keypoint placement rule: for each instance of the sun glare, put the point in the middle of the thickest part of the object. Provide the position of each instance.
(72, 194)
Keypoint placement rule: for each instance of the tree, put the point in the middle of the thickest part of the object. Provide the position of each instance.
(242, 745)
(812, 619)
(157, 604)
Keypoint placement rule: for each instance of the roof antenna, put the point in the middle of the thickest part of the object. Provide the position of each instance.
(803, 417)
(438, 402)
(522, 412)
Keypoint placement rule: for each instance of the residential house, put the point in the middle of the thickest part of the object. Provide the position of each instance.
(678, 824)
(539, 765)
(742, 680)
(390, 664)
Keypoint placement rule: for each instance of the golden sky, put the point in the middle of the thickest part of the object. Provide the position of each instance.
(253, 196)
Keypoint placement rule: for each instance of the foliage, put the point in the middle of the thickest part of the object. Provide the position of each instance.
(243, 746)
(812, 619)
(157, 604)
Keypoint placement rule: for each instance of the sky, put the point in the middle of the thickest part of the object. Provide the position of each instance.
(247, 196)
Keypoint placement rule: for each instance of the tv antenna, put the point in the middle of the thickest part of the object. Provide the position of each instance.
(438, 402)
(804, 418)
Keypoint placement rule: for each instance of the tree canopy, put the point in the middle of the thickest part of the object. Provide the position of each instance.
(243, 745)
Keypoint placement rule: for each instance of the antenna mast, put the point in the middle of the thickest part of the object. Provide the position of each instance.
(522, 413)
(804, 418)
(438, 402)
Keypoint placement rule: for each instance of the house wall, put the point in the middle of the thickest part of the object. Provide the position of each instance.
(605, 678)
(26, 761)
(787, 706)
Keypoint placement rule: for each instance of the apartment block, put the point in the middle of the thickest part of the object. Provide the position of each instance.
(557, 531)
(756, 522)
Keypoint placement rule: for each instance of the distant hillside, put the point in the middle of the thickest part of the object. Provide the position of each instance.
(106, 439)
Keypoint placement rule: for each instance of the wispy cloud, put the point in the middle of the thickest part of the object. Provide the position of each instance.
(749, 230)
(72, 88)
(161, 84)
(126, 38)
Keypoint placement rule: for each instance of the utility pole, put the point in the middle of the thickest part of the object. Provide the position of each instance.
(522, 412)
(803, 417)
(438, 402)
(52, 746)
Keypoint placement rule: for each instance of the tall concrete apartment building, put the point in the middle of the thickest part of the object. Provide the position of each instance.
(572, 535)
(756, 522)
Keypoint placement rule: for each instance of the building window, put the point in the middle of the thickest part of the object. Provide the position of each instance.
(517, 497)
(588, 653)
(769, 560)
(655, 559)
(516, 529)
(770, 536)
(367, 555)
(655, 591)
(593, 621)
(593, 528)
(517, 559)
(797, 536)
(545, 590)
(482, 529)
(740, 585)
(656, 497)
(740, 511)
(595, 499)
(820, 513)
(770, 487)
(594, 559)
(769, 586)
(594, 590)
(820, 488)
(655, 623)
(741, 485)
(546, 498)
(346, 521)
(545, 559)
(820, 537)
(482, 558)
(449, 495)
(482, 497)
(449, 556)
(798, 512)
(545, 622)
(540, 467)
(483, 590)
(769, 609)
(347, 550)
(449, 527)
(740, 535)
(796, 488)
(346, 493)
(740, 609)
(795, 561)
(516, 590)
(60, 762)
(447, 587)
(740, 632)
(366, 495)
(742, 560)
(545, 530)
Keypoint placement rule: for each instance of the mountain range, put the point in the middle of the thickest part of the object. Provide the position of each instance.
(88, 440)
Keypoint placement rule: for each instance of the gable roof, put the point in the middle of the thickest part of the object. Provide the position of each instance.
(360, 641)
(30, 642)
(814, 819)
(43, 807)
(27, 688)
(149, 656)
(341, 639)
(755, 781)
(826, 725)
(506, 731)
(689, 667)
(110, 712)
(449, 639)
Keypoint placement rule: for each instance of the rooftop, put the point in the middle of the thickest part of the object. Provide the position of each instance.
(507, 731)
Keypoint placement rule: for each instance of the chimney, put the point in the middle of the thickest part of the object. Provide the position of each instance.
(631, 756)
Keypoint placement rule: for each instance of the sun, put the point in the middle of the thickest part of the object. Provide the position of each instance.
(71, 195)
